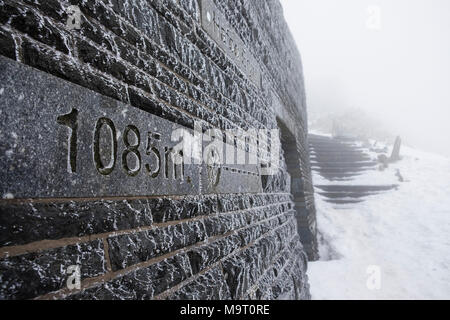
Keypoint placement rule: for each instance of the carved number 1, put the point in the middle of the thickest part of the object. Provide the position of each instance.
(70, 120)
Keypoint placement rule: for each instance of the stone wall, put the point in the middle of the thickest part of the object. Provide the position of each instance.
(88, 105)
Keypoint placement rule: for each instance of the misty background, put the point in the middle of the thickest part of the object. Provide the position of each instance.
(385, 61)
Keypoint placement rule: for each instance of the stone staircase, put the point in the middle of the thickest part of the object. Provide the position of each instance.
(340, 161)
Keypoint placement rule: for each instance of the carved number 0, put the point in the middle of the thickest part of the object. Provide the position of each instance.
(101, 168)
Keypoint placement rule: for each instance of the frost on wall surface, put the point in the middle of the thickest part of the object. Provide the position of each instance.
(131, 71)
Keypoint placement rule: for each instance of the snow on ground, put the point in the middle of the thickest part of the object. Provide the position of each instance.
(404, 233)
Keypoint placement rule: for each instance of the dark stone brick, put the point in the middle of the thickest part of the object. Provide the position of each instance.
(206, 255)
(7, 44)
(106, 86)
(218, 225)
(34, 274)
(23, 223)
(129, 249)
(64, 67)
(228, 203)
(144, 102)
(167, 209)
(168, 37)
(145, 282)
(136, 57)
(38, 27)
(209, 286)
(42, 58)
(250, 234)
(111, 65)
(193, 232)
(98, 11)
(52, 8)
(7, 11)
(92, 30)
(244, 269)
(237, 275)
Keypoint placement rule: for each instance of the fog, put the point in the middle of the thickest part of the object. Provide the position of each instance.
(390, 58)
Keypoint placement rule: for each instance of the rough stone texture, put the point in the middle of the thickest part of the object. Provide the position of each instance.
(129, 249)
(209, 286)
(33, 274)
(136, 232)
(143, 283)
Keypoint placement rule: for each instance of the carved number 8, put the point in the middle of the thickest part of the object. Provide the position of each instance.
(131, 148)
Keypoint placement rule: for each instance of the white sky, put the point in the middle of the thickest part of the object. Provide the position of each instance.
(399, 72)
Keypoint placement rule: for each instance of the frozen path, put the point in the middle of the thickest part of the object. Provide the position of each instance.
(403, 234)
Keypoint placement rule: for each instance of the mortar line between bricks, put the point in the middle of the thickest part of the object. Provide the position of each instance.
(93, 282)
(18, 46)
(43, 245)
(166, 293)
(106, 253)
(121, 198)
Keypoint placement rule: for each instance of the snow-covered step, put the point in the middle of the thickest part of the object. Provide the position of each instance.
(358, 164)
(337, 152)
(343, 201)
(346, 154)
(340, 158)
(338, 148)
(344, 195)
(332, 170)
(356, 188)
